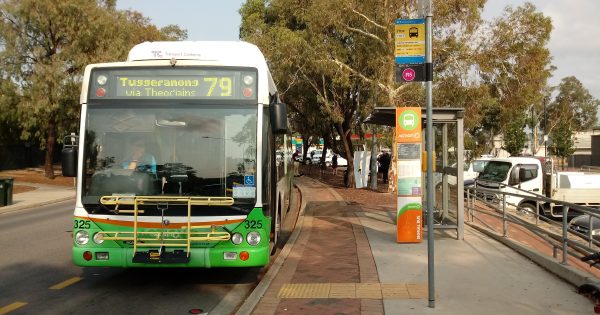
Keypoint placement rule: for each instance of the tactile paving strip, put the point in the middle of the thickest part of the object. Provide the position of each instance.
(353, 291)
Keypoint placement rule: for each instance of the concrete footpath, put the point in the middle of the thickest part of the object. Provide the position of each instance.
(343, 259)
(42, 195)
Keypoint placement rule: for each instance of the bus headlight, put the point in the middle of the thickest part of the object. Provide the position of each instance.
(98, 238)
(253, 238)
(237, 238)
(82, 237)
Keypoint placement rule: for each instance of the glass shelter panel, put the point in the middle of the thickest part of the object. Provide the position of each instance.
(446, 173)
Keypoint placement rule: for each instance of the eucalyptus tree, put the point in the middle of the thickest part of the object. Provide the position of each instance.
(574, 109)
(46, 45)
(344, 51)
(514, 63)
(573, 105)
(9, 123)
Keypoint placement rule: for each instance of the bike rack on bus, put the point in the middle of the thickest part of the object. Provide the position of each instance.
(163, 239)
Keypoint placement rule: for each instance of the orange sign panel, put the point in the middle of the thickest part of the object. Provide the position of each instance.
(409, 224)
(408, 124)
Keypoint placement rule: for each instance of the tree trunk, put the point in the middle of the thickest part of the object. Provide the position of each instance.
(349, 154)
(347, 141)
(393, 170)
(50, 142)
(305, 146)
(373, 164)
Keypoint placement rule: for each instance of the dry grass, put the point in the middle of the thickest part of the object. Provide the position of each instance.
(361, 196)
(36, 176)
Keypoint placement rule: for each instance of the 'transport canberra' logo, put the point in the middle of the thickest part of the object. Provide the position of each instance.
(408, 120)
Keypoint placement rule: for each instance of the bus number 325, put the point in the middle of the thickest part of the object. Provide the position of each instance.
(253, 224)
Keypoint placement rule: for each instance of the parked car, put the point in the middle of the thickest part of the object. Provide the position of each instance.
(470, 172)
(581, 224)
(340, 161)
(316, 156)
(316, 159)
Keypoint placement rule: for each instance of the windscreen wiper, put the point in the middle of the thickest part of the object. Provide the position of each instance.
(240, 210)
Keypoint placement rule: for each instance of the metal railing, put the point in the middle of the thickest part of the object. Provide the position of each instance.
(590, 168)
(559, 234)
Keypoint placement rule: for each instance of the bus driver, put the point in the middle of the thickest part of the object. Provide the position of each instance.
(139, 160)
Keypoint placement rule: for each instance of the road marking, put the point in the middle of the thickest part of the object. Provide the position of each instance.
(65, 283)
(11, 307)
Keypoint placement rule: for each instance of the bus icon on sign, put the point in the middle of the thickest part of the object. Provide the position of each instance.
(409, 120)
(413, 32)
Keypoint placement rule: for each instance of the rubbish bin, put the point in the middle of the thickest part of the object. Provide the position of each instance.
(6, 191)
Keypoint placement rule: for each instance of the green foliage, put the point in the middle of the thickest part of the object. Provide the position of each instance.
(574, 109)
(574, 105)
(9, 120)
(513, 64)
(334, 60)
(514, 136)
(562, 141)
(47, 44)
(514, 61)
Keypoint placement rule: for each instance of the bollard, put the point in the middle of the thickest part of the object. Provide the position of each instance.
(6, 191)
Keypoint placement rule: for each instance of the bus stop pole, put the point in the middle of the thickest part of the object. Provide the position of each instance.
(429, 137)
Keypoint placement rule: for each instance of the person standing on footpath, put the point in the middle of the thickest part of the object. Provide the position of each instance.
(384, 162)
(334, 164)
(296, 163)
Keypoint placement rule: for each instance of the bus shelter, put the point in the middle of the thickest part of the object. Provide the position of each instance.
(448, 160)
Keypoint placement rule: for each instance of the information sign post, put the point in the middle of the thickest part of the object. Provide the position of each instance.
(413, 54)
(409, 213)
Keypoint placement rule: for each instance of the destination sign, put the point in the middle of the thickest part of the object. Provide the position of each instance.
(169, 83)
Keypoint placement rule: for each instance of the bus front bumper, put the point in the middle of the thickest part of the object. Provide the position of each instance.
(198, 257)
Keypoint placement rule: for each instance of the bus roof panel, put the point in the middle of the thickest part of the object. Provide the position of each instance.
(224, 52)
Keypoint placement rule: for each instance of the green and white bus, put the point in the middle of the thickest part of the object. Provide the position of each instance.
(175, 159)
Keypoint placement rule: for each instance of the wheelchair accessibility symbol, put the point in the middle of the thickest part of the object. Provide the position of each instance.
(248, 180)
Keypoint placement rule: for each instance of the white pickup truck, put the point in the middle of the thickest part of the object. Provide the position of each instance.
(532, 174)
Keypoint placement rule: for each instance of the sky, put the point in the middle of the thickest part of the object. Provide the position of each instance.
(574, 43)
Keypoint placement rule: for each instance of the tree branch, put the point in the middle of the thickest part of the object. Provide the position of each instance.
(369, 20)
(362, 76)
(373, 36)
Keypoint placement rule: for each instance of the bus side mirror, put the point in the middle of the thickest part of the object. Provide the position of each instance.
(278, 113)
(69, 156)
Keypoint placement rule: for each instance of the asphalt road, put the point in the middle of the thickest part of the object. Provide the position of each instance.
(37, 276)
